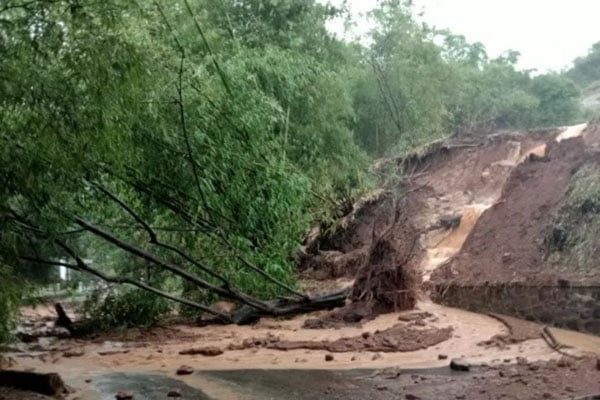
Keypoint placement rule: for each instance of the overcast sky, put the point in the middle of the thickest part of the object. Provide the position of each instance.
(548, 33)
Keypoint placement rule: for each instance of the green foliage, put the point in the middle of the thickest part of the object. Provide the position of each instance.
(223, 126)
(419, 84)
(9, 300)
(211, 123)
(572, 242)
(586, 70)
(124, 309)
(559, 100)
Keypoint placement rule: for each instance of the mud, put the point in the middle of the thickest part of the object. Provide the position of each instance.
(509, 236)
(518, 331)
(475, 178)
(399, 338)
(564, 379)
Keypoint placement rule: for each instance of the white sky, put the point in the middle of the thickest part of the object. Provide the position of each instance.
(549, 34)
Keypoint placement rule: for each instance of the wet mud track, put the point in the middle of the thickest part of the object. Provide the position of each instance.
(510, 382)
(260, 384)
(143, 386)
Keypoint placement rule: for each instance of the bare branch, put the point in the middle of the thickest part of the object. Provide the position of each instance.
(82, 266)
(228, 293)
(154, 239)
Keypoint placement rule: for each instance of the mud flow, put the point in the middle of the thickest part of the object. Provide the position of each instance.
(471, 213)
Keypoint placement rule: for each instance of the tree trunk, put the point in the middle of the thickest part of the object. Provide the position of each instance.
(285, 307)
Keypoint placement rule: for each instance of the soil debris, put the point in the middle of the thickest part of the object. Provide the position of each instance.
(210, 351)
(389, 280)
(399, 338)
(518, 331)
(517, 223)
(185, 370)
(50, 384)
(73, 353)
(458, 364)
(124, 395)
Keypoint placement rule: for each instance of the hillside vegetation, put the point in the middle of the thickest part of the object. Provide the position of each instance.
(186, 150)
(586, 73)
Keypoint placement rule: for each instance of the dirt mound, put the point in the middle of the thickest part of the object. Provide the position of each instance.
(388, 281)
(591, 133)
(435, 179)
(371, 215)
(342, 249)
(518, 331)
(506, 244)
(399, 338)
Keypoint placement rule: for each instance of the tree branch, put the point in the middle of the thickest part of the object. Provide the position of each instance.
(82, 266)
(154, 238)
(224, 292)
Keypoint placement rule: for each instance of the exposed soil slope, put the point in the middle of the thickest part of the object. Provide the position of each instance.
(506, 244)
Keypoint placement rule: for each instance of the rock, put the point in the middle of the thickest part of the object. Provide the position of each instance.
(174, 393)
(205, 351)
(185, 370)
(450, 221)
(442, 357)
(547, 395)
(382, 388)
(598, 364)
(411, 397)
(376, 356)
(533, 367)
(365, 335)
(73, 353)
(124, 395)
(88, 381)
(459, 365)
(328, 357)
(112, 352)
(564, 362)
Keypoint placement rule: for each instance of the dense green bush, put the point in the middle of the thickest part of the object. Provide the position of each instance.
(9, 300)
(124, 309)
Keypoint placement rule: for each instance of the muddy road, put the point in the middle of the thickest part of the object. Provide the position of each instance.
(276, 359)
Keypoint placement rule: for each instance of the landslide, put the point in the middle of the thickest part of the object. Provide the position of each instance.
(398, 235)
(509, 242)
(447, 180)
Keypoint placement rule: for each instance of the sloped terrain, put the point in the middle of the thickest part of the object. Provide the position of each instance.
(507, 243)
(504, 224)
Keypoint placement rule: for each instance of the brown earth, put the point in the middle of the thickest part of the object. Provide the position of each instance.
(559, 379)
(505, 202)
(443, 178)
(518, 331)
(591, 134)
(510, 235)
(399, 338)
